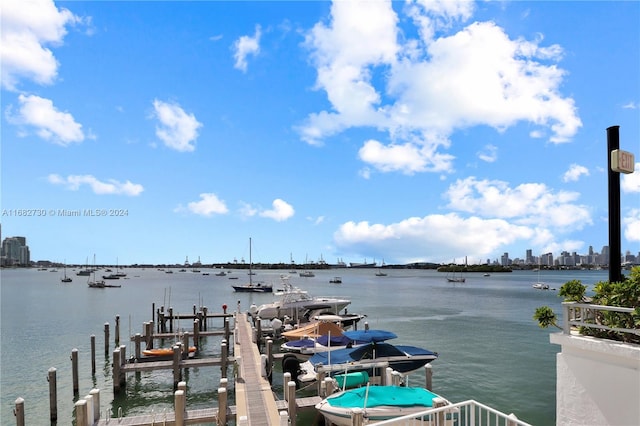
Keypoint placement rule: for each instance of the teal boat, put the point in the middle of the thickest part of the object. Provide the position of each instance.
(378, 403)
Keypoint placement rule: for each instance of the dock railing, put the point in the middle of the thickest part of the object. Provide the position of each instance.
(465, 413)
(586, 315)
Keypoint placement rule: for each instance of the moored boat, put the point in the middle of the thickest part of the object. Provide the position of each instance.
(163, 352)
(377, 402)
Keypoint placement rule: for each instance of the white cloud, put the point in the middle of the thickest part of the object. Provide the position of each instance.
(111, 186)
(574, 173)
(630, 105)
(246, 46)
(630, 182)
(420, 91)
(489, 153)
(406, 158)
(631, 223)
(531, 204)
(49, 123)
(247, 210)
(208, 205)
(177, 129)
(280, 212)
(28, 26)
(437, 238)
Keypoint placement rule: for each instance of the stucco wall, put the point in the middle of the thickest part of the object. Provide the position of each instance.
(598, 382)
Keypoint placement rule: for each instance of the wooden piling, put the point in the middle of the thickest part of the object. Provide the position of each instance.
(286, 378)
(428, 370)
(357, 417)
(116, 370)
(106, 338)
(18, 411)
(138, 340)
(222, 406)
(437, 403)
(170, 320)
(74, 370)
(291, 388)
(95, 393)
(89, 401)
(269, 367)
(117, 333)
(123, 361)
(53, 394)
(196, 333)
(179, 404)
(224, 356)
(93, 354)
(176, 364)
(185, 345)
(204, 321)
(81, 413)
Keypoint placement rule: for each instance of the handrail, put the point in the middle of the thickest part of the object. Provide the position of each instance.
(577, 314)
(469, 412)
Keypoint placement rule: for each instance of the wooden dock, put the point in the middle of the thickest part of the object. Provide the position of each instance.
(255, 400)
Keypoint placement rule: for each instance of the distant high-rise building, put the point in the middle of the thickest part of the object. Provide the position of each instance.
(15, 251)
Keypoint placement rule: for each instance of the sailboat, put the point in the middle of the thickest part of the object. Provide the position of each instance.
(65, 279)
(453, 278)
(539, 285)
(251, 287)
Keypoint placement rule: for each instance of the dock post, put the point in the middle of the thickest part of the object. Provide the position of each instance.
(437, 403)
(53, 394)
(153, 312)
(291, 389)
(185, 345)
(428, 370)
(93, 354)
(222, 406)
(81, 413)
(183, 387)
(123, 360)
(116, 370)
(227, 332)
(170, 320)
(269, 359)
(259, 333)
(74, 370)
(106, 338)
(286, 378)
(204, 320)
(196, 333)
(179, 404)
(137, 340)
(117, 333)
(95, 393)
(89, 401)
(320, 375)
(329, 386)
(224, 356)
(357, 417)
(18, 411)
(284, 418)
(366, 325)
(176, 365)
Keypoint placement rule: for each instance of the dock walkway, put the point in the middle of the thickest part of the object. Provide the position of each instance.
(254, 398)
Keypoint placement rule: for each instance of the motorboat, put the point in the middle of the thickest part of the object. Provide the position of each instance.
(335, 280)
(164, 352)
(402, 358)
(377, 402)
(314, 330)
(540, 286)
(296, 304)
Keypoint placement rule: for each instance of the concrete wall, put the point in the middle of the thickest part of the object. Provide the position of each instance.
(598, 382)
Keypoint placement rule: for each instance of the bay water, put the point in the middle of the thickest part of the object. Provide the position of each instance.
(490, 348)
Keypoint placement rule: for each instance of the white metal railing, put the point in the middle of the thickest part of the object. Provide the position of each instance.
(465, 413)
(584, 315)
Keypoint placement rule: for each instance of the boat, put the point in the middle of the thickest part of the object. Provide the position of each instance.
(402, 358)
(251, 287)
(540, 285)
(93, 283)
(336, 280)
(307, 274)
(294, 304)
(221, 274)
(65, 278)
(314, 330)
(363, 265)
(111, 277)
(381, 274)
(456, 278)
(164, 352)
(377, 402)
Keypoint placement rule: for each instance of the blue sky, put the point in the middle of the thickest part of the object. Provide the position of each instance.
(396, 131)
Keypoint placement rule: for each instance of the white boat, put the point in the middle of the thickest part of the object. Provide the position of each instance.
(307, 274)
(251, 287)
(540, 286)
(297, 304)
(378, 403)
